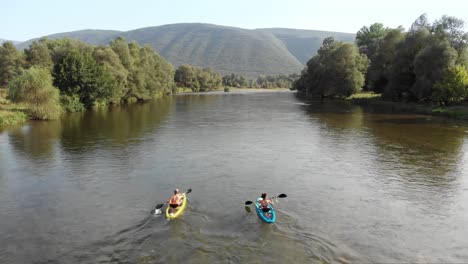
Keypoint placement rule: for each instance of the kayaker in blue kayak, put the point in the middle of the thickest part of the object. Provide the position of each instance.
(264, 204)
(175, 200)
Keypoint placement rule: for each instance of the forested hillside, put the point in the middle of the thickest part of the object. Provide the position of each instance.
(226, 50)
(303, 44)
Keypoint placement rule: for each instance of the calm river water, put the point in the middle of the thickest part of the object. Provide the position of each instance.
(362, 185)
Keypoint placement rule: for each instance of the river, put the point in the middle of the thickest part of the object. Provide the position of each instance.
(363, 185)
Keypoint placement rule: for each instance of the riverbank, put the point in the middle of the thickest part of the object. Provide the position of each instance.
(11, 113)
(459, 112)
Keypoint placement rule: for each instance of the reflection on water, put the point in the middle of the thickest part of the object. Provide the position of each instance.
(416, 162)
(119, 125)
(428, 151)
(363, 185)
(101, 127)
(36, 139)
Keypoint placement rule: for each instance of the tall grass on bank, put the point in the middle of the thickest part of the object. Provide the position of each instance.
(10, 113)
(459, 112)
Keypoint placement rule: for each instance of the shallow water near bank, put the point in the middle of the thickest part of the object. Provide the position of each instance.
(362, 185)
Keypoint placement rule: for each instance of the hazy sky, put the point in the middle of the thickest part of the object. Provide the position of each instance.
(25, 19)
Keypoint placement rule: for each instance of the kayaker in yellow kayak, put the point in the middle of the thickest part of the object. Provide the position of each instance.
(175, 201)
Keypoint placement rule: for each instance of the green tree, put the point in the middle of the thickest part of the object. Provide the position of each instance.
(430, 65)
(110, 62)
(120, 47)
(208, 79)
(423, 57)
(453, 88)
(377, 74)
(198, 79)
(451, 29)
(159, 74)
(401, 76)
(38, 54)
(276, 81)
(149, 75)
(59, 48)
(422, 22)
(78, 74)
(186, 76)
(336, 71)
(235, 80)
(367, 38)
(11, 62)
(34, 87)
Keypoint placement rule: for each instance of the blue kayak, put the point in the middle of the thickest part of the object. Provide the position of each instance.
(268, 217)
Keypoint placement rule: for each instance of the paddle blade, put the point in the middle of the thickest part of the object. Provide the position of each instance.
(188, 191)
(247, 209)
(157, 211)
(159, 206)
(248, 202)
(283, 195)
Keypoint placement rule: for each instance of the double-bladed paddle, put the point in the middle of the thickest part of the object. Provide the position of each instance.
(159, 206)
(283, 195)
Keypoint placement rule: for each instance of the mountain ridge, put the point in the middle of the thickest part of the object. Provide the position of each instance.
(225, 49)
(299, 41)
(5, 40)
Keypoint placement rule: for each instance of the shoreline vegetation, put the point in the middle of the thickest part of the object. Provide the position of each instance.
(423, 70)
(228, 89)
(14, 114)
(11, 113)
(456, 112)
(17, 113)
(52, 77)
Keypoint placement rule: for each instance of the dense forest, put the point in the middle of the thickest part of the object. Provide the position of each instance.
(427, 63)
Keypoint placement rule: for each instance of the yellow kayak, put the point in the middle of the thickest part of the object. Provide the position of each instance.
(179, 210)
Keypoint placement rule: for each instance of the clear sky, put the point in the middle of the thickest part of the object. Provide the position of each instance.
(24, 19)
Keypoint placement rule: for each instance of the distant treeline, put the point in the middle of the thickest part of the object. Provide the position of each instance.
(262, 81)
(426, 63)
(199, 80)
